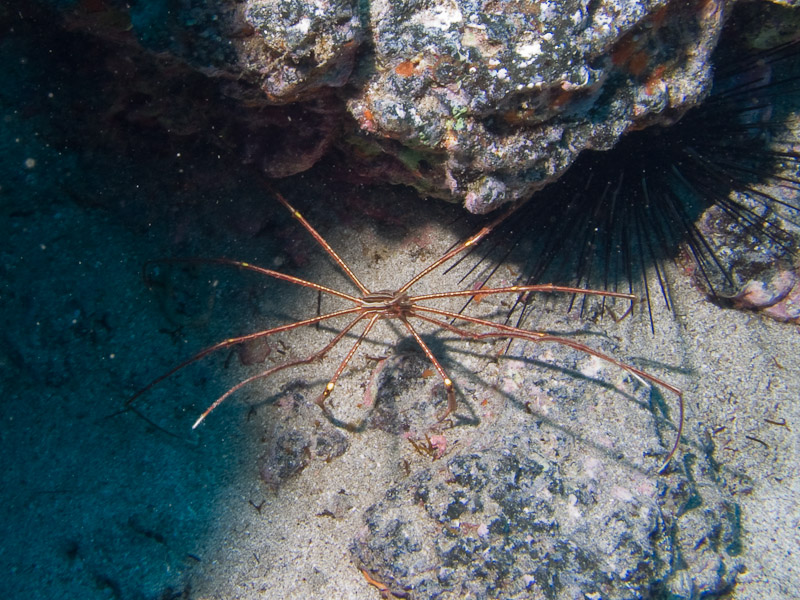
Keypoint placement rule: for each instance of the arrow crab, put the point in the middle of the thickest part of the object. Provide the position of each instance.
(368, 307)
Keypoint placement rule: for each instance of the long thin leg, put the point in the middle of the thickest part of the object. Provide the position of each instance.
(261, 270)
(239, 340)
(503, 331)
(448, 383)
(325, 245)
(293, 363)
(506, 331)
(468, 243)
(517, 289)
(332, 383)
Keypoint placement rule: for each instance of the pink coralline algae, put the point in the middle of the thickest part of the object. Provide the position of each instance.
(778, 298)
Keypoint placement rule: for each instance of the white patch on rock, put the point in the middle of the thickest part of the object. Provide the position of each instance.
(530, 50)
(303, 25)
(439, 17)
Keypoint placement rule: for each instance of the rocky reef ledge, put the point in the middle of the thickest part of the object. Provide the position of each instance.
(474, 101)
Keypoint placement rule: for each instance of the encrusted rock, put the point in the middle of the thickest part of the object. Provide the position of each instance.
(296, 439)
(485, 101)
(507, 522)
(298, 47)
(763, 270)
(476, 101)
(558, 498)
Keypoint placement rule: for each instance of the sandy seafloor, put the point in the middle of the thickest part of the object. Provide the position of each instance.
(102, 504)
